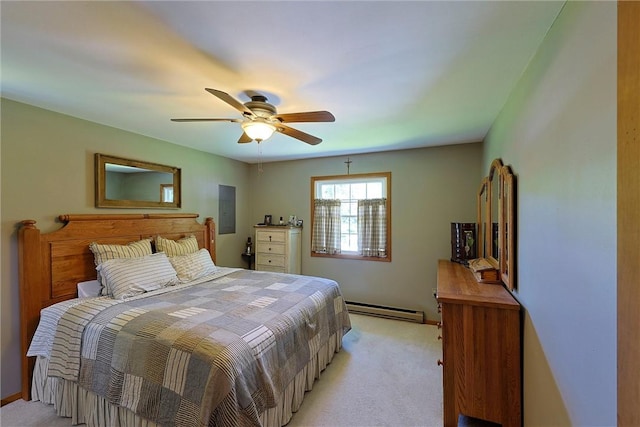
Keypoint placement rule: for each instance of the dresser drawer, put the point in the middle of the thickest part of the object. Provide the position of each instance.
(272, 269)
(268, 259)
(270, 248)
(275, 236)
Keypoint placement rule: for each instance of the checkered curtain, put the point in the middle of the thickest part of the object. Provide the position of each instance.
(326, 226)
(372, 227)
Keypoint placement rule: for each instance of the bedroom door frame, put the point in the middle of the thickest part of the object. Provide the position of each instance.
(628, 210)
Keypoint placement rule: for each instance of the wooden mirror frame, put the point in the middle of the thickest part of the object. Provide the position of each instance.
(101, 161)
(507, 226)
(483, 198)
(499, 185)
(493, 229)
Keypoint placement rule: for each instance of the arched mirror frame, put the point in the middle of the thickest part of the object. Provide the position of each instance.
(496, 243)
(507, 225)
(493, 229)
(483, 199)
(102, 201)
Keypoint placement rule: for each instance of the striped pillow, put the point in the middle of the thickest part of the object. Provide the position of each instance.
(184, 246)
(127, 277)
(193, 266)
(105, 252)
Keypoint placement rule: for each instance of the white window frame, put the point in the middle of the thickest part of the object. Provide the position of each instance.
(382, 177)
(166, 193)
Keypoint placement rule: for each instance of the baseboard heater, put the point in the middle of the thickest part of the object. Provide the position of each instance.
(387, 312)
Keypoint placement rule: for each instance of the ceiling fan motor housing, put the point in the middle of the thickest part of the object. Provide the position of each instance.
(260, 106)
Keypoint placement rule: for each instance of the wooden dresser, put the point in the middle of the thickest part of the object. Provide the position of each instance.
(481, 344)
(278, 249)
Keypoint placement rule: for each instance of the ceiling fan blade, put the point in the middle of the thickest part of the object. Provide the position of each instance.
(297, 134)
(309, 116)
(231, 101)
(244, 138)
(206, 120)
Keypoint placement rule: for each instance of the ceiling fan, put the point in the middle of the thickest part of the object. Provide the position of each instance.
(261, 119)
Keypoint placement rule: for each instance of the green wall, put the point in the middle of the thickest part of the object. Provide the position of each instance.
(430, 188)
(558, 132)
(47, 170)
(47, 162)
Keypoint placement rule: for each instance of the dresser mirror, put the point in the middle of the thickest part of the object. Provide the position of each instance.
(127, 183)
(493, 215)
(507, 225)
(483, 198)
(496, 221)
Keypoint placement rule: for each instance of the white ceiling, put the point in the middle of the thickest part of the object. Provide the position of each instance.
(395, 74)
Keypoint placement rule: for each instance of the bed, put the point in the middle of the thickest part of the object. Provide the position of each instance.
(191, 344)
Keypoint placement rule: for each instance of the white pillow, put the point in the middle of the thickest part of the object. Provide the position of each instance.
(89, 289)
(127, 277)
(193, 266)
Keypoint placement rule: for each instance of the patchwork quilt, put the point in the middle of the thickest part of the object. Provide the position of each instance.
(216, 353)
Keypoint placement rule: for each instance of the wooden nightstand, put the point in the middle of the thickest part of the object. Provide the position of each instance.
(250, 258)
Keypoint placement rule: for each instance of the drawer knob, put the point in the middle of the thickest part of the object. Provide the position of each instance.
(269, 248)
(440, 362)
(269, 261)
(439, 325)
(439, 337)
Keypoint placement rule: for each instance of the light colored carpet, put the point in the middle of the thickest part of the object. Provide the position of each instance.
(385, 375)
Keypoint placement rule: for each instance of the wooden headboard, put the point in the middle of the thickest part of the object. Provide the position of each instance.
(52, 264)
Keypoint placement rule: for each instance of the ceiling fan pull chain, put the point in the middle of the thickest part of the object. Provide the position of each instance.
(260, 170)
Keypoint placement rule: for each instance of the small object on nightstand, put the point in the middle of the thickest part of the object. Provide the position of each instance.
(249, 249)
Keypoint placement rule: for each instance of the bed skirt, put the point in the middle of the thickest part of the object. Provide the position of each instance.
(83, 406)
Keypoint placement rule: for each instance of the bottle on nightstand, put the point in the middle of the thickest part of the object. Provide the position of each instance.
(249, 249)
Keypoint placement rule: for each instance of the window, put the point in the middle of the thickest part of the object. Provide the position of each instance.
(350, 216)
(166, 193)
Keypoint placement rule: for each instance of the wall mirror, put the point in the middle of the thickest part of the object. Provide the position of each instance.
(127, 183)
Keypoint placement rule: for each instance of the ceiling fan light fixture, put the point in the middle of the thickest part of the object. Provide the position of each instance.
(260, 119)
(258, 130)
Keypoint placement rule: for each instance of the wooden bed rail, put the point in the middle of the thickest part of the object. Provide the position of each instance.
(52, 264)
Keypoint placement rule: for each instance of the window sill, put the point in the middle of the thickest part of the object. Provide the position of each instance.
(351, 256)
